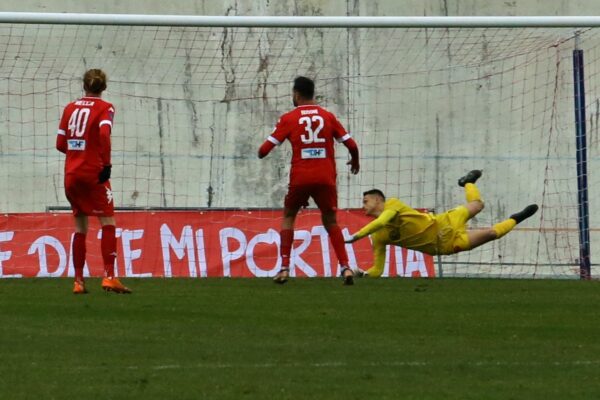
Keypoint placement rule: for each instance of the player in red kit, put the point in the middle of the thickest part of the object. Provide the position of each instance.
(84, 136)
(311, 130)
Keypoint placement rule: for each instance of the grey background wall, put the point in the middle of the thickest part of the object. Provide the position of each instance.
(193, 105)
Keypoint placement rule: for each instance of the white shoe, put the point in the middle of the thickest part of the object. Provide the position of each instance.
(359, 273)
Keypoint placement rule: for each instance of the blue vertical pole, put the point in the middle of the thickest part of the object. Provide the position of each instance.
(582, 185)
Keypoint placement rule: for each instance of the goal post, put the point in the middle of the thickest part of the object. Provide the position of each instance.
(426, 98)
(582, 172)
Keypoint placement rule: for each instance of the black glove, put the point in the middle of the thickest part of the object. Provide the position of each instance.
(104, 175)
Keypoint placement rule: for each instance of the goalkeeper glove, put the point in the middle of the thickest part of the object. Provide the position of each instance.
(104, 174)
(351, 240)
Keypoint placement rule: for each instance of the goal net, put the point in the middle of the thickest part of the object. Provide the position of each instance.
(425, 105)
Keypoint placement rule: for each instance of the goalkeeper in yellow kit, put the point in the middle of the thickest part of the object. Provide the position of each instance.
(399, 224)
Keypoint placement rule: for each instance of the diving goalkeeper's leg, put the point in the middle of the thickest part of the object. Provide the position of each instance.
(481, 236)
(474, 203)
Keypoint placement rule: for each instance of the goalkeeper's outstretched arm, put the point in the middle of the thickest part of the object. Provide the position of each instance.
(375, 225)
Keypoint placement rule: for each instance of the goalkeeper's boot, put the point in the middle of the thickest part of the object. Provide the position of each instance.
(282, 276)
(347, 276)
(471, 177)
(525, 213)
(79, 287)
(112, 284)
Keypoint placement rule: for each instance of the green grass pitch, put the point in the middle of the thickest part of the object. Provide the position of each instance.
(309, 339)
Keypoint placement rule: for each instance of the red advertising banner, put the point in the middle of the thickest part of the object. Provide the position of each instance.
(195, 244)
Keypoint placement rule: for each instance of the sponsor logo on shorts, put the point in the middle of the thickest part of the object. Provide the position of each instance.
(313, 153)
(76, 144)
(109, 195)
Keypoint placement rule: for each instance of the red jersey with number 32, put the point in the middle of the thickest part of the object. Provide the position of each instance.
(311, 130)
(80, 123)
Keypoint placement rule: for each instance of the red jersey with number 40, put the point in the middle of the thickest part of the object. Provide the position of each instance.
(80, 125)
(311, 130)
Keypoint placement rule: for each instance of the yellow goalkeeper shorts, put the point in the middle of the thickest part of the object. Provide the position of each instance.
(452, 231)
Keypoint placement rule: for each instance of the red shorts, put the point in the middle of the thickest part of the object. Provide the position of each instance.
(324, 195)
(88, 197)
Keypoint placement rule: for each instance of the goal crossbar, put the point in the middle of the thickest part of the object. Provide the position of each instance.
(300, 21)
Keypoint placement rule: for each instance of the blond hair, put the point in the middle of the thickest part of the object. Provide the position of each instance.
(94, 81)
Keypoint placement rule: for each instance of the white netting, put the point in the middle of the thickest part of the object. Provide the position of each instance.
(425, 106)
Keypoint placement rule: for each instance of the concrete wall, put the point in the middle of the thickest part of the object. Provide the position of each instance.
(193, 105)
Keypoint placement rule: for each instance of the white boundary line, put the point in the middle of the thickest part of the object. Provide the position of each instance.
(347, 365)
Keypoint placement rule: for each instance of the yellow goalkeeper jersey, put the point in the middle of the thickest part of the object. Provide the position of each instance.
(401, 225)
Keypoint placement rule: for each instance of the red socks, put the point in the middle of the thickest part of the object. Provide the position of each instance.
(337, 241)
(335, 235)
(287, 238)
(108, 244)
(79, 255)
